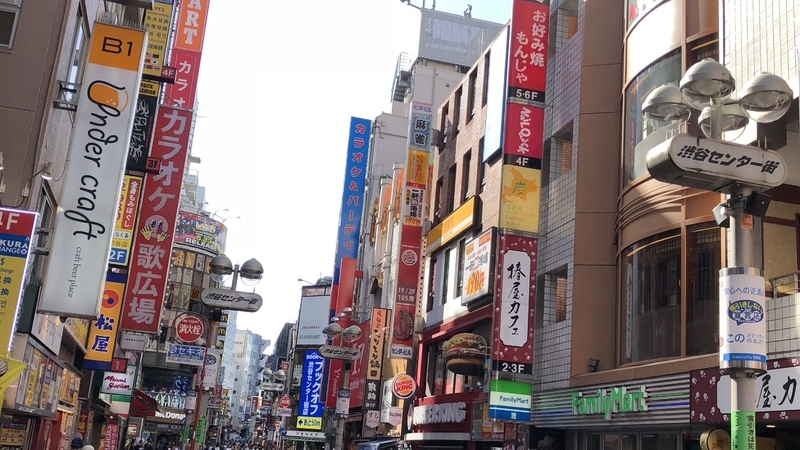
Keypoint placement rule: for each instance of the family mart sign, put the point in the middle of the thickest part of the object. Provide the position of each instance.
(608, 401)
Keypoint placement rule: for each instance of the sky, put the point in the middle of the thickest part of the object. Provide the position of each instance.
(278, 84)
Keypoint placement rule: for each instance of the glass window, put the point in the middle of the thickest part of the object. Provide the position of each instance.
(666, 70)
(446, 276)
(76, 58)
(460, 269)
(660, 441)
(9, 16)
(651, 283)
(704, 259)
(457, 110)
(610, 441)
(473, 84)
(593, 442)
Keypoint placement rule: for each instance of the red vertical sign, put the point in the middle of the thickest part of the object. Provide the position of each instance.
(341, 298)
(187, 69)
(358, 374)
(527, 62)
(149, 266)
(405, 303)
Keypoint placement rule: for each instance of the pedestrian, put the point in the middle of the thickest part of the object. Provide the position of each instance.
(148, 445)
(77, 442)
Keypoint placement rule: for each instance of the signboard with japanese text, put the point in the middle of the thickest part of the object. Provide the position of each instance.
(405, 298)
(524, 135)
(417, 169)
(742, 319)
(519, 198)
(452, 226)
(189, 327)
(376, 343)
(186, 354)
(158, 22)
(478, 266)
(84, 224)
(191, 27)
(103, 330)
(17, 229)
(313, 318)
(213, 365)
(142, 132)
(419, 137)
(187, 69)
(199, 231)
(147, 275)
(353, 194)
(126, 220)
(358, 366)
(232, 300)
(515, 291)
(311, 404)
(527, 63)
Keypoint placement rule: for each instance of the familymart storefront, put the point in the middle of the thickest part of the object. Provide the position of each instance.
(642, 414)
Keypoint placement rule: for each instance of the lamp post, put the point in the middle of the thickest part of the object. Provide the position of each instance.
(349, 335)
(220, 267)
(708, 86)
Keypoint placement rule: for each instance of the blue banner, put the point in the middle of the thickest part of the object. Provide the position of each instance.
(312, 402)
(353, 194)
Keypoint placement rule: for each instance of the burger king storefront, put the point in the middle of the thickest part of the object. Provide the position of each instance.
(458, 422)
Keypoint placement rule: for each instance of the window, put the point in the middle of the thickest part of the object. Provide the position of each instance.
(485, 93)
(465, 163)
(444, 126)
(446, 276)
(560, 153)
(457, 110)
(651, 283)
(9, 15)
(473, 84)
(438, 213)
(75, 71)
(563, 25)
(481, 167)
(555, 296)
(451, 188)
(666, 70)
(460, 270)
(704, 259)
(432, 274)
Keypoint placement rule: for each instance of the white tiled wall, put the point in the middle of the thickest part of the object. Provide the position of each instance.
(783, 320)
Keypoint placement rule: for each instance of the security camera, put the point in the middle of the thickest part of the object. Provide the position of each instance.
(722, 215)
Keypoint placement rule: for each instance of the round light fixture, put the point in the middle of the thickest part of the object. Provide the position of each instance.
(734, 121)
(707, 84)
(664, 106)
(766, 98)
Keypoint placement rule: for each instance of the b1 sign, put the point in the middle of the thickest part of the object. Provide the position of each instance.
(742, 320)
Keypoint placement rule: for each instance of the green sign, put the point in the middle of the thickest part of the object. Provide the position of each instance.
(185, 433)
(200, 432)
(609, 401)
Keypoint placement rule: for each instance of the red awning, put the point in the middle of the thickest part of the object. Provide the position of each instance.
(142, 405)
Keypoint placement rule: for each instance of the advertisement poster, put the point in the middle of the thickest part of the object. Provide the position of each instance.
(519, 199)
(405, 309)
(186, 354)
(742, 319)
(311, 404)
(313, 318)
(144, 120)
(202, 232)
(126, 220)
(103, 330)
(17, 229)
(478, 272)
(158, 22)
(84, 225)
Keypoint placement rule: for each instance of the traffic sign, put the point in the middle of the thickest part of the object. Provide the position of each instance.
(283, 432)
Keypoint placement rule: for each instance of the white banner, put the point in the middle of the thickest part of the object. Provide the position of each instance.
(477, 273)
(213, 363)
(742, 320)
(515, 290)
(314, 316)
(118, 383)
(84, 226)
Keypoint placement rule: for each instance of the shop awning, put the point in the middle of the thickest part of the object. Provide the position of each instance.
(142, 405)
(376, 445)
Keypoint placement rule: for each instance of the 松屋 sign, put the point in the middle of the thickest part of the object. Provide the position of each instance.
(84, 226)
(609, 401)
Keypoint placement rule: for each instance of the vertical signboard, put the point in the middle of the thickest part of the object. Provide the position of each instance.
(17, 229)
(157, 21)
(520, 199)
(310, 405)
(143, 123)
(495, 95)
(126, 220)
(375, 346)
(101, 129)
(149, 267)
(359, 366)
(103, 331)
(405, 300)
(527, 65)
(186, 53)
(478, 270)
(313, 318)
(515, 292)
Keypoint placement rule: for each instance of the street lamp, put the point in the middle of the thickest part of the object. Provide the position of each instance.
(708, 86)
(333, 331)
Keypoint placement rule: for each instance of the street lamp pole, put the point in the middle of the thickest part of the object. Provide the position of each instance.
(348, 335)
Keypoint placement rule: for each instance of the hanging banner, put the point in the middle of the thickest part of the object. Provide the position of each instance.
(527, 64)
(17, 229)
(157, 21)
(405, 300)
(742, 319)
(103, 330)
(144, 121)
(86, 213)
(126, 220)
(311, 404)
(152, 248)
(376, 342)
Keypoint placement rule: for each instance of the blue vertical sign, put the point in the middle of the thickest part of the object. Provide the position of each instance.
(312, 402)
(353, 195)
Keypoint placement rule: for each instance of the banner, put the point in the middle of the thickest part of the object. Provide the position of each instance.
(17, 230)
(186, 354)
(127, 208)
(187, 69)
(147, 275)
(213, 365)
(405, 299)
(313, 318)
(103, 330)
(157, 21)
(527, 63)
(358, 368)
(195, 230)
(101, 130)
(191, 28)
(478, 270)
(520, 199)
(375, 345)
(144, 120)
(310, 406)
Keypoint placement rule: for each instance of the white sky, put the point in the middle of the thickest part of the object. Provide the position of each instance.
(279, 82)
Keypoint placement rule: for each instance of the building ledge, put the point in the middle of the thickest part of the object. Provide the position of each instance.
(646, 370)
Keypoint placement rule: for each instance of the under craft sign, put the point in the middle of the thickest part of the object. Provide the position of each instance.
(608, 401)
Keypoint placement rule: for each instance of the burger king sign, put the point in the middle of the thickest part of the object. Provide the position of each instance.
(403, 386)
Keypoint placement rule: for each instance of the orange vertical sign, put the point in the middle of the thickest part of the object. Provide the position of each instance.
(192, 25)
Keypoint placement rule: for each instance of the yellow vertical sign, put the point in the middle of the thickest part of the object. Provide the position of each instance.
(158, 22)
(103, 331)
(16, 237)
(519, 199)
(417, 168)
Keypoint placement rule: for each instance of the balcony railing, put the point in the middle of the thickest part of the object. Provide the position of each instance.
(784, 285)
(167, 399)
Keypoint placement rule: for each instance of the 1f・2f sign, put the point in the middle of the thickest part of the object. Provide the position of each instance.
(84, 226)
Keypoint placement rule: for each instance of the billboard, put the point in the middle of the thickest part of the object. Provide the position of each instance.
(478, 266)
(17, 229)
(314, 314)
(103, 330)
(144, 120)
(191, 27)
(376, 341)
(405, 299)
(152, 248)
(515, 294)
(519, 198)
(454, 39)
(158, 22)
(199, 231)
(311, 404)
(127, 208)
(495, 95)
(527, 63)
(101, 130)
(187, 69)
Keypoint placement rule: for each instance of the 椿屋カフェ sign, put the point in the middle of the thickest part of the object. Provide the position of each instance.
(610, 401)
(84, 226)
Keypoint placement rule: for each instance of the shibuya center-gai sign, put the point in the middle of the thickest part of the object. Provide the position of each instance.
(608, 401)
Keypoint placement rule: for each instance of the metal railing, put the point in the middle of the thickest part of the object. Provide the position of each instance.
(169, 399)
(784, 285)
